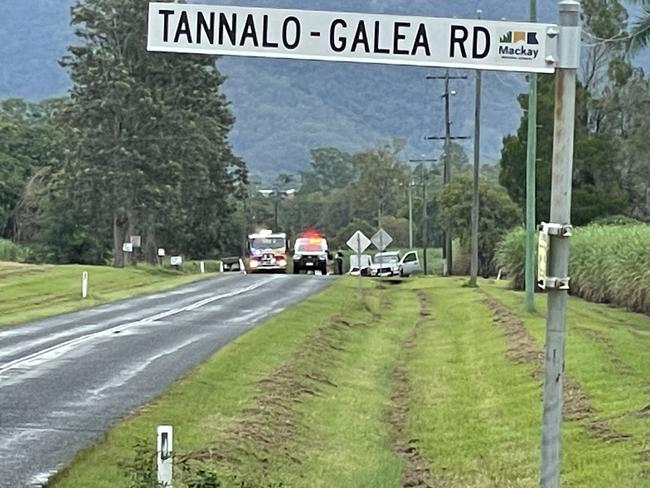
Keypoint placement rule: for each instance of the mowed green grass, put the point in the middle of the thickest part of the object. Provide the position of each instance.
(29, 292)
(348, 443)
(477, 413)
(474, 414)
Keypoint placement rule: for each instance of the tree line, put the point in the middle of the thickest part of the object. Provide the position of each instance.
(140, 148)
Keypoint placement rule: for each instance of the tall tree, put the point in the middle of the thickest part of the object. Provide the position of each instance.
(30, 146)
(597, 189)
(330, 168)
(640, 32)
(382, 179)
(149, 134)
(498, 215)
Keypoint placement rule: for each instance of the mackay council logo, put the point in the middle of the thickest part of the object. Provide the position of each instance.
(519, 45)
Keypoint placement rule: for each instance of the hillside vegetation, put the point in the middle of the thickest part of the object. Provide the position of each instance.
(285, 108)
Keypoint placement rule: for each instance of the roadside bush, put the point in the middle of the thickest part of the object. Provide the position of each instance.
(510, 255)
(10, 251)
(608, 263)
(616, 220)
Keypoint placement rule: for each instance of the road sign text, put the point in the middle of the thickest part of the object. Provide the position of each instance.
(353, 37)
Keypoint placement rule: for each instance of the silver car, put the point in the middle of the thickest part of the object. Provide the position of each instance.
(391, 263)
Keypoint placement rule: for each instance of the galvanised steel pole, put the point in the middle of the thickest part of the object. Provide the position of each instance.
(475, 181)
(563, 146)
(531, 158)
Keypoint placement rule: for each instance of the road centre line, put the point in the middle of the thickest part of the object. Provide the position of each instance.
(147, 320)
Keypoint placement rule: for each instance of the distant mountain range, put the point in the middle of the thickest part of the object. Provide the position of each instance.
(284, 108)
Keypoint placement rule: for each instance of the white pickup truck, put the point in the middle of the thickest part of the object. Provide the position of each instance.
(392, 263)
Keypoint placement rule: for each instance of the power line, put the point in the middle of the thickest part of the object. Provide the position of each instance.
(447, 257)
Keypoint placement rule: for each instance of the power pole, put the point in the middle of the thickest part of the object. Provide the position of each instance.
(424, 174)
(411, 215)
(531, 157)
(558, 269)
(446, 251)
(473, 279)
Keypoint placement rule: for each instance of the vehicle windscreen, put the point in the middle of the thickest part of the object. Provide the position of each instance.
(310, 245)
(386, 259)
(261, 243)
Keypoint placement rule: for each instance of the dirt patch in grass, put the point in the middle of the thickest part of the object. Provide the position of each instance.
(266, 432)
(522, 349)
(645, 411)
(416, 473)
(521, 346)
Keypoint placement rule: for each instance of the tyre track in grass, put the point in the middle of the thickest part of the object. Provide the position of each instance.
(523, 349)
(416, 473)
(264, 437)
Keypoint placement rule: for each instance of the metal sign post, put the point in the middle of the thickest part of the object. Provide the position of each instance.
(558, 266)
(359, 243)
(381, 240)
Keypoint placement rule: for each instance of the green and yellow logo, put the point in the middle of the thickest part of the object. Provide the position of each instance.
(519, 45)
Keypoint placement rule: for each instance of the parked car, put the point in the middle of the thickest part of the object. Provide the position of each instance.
(386, 264)
(391, 263)
(410, 264)
(366, 265)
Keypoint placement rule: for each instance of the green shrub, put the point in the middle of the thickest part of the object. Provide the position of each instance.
(616, 220)
(608, 263)
(510, 256)
(10, 251)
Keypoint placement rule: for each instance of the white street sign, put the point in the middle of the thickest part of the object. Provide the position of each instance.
(161, 252)
(176, 260)
(381, 240)
(127, 247)
(358, 242)
(353, 37)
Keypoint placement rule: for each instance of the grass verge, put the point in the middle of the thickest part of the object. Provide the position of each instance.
(424, 384)
(29, 292)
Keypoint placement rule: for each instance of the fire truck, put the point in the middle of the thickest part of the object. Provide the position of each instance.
(267, 252)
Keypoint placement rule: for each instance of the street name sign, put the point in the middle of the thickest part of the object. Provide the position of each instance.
(353, 37)
(381, 239)
(358, 242)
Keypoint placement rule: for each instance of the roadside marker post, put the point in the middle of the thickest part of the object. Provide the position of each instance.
(84, 284)
(202, 267)
(418, 41)
(164, 455)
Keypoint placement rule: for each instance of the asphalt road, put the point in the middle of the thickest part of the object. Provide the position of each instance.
(65, 380)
